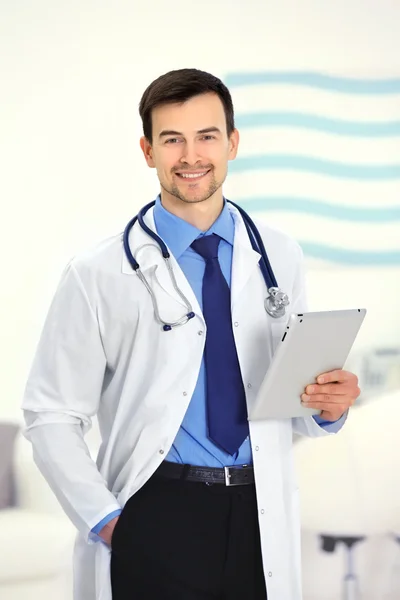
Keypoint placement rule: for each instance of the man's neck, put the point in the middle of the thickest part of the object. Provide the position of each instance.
(199, 214)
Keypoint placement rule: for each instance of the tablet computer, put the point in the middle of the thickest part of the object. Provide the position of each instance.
(312, 343)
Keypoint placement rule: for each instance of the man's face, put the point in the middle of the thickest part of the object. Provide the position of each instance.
(190, 147)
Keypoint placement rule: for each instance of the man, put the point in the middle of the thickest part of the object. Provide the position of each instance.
(172, 404)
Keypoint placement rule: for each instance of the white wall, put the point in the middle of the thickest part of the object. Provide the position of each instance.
(72, 173)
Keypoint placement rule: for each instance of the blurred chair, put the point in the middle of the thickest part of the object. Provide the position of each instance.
(350, 483)
(36, 538)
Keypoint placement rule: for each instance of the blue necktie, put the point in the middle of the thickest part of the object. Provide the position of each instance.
(226, 401)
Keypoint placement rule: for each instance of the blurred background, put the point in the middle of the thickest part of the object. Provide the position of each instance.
(316, 88)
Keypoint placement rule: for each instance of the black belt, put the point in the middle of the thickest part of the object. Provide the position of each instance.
(236, 475)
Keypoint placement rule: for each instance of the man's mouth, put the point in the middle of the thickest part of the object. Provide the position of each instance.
(192, 175)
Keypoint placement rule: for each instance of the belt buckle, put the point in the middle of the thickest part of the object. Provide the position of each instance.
(228, 475)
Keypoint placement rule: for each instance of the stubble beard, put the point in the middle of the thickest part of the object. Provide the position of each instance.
(212, 188)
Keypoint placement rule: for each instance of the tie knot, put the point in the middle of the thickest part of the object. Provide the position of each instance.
(207, 246)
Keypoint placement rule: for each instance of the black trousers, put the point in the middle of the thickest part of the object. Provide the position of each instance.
(178, 540)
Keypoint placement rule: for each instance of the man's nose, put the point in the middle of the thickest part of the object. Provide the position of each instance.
(190, 154)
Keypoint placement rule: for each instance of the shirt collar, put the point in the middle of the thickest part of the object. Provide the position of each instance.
(178, 234)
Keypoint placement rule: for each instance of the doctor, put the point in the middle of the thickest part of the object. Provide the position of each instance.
(172, 405)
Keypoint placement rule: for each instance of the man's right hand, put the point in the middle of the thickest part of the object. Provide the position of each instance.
(107, 531)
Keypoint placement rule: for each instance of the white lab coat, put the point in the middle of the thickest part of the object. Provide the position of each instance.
(102, 352)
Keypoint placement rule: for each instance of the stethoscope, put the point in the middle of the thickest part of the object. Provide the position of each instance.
(275, 303)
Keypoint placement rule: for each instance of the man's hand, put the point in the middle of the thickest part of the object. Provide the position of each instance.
(333, 393)
(107, 531)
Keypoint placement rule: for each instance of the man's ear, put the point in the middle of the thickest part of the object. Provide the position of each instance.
(147, 151)
(233, 144)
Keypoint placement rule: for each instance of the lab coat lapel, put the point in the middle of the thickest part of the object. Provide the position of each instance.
(153, 266)
(245, 259)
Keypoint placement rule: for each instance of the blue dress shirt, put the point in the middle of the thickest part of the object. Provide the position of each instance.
(191, 445)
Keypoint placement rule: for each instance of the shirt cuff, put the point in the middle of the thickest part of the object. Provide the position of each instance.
(331, 426)
(97, 528)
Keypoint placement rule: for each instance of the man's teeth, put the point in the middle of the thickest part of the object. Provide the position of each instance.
(192, 175)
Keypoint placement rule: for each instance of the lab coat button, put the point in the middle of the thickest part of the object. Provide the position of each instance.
(161, 451)
(185, 393)
(257, 448)
(249, 386)
(262, 511)
(270, 574)
(200, 332)
(236, 324)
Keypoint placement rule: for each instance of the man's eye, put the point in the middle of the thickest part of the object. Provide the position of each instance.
(172, 140)
(208, 137)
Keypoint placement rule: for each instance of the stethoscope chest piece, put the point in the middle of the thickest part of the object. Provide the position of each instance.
(276, 302)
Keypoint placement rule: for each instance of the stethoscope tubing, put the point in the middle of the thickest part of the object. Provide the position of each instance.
(252, 231)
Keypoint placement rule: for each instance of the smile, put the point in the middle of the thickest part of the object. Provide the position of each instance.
(192, 175)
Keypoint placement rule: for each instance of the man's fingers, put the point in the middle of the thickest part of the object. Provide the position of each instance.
(336, 376)
(325, 399)
(340, 389)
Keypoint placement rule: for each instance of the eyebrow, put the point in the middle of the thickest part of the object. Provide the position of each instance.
(166, 132)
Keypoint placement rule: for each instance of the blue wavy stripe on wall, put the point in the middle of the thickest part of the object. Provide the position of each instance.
(318, 123)
(317, 80)
(351, 257)
(317, 208)
(315, 165)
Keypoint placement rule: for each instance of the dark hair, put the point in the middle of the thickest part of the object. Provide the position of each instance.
(180, 86)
